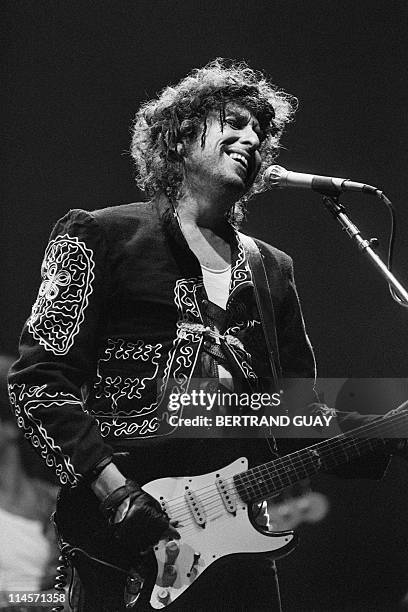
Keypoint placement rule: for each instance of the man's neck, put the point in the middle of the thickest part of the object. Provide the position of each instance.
(202, 232)
(204, 208)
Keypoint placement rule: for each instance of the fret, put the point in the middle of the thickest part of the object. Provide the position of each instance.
(268, 479)
(278, 474)
(248, 485)
(244, 486)
(258, 480)
(345, 454)
(239, 486)
(272, 481)
(282, 476)
(301, 471)
(292, 475)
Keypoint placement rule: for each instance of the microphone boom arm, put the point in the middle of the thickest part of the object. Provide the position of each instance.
(339, 213)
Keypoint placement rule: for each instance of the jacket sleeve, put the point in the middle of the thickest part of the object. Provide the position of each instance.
(58, 351)
(299, 367)
(296, 352)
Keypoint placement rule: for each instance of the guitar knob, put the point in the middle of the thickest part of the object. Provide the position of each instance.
(163, 596)
(193, 569)
(172, 551)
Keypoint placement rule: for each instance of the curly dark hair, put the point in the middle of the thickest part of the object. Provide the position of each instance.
(180, 111)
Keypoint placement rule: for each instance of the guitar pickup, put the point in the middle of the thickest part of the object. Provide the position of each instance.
(196, 507)
(226, 495)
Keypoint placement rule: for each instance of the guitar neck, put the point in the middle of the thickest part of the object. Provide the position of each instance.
(272, 477)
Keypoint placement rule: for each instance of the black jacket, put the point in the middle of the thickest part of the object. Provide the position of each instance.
(112, 331)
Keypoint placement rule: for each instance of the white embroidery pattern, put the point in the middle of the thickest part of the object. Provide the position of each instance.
(186, 300)
(58, 312)
(117, 387)
(252, 323)
(242, 326)
(247, 370)
(122, 428)
(179, 368)
(183, 355)
(240, 273)
(25, 400)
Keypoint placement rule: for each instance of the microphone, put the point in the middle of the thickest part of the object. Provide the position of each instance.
(276, 177)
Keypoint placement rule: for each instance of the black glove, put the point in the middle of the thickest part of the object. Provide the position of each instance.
(144, 522)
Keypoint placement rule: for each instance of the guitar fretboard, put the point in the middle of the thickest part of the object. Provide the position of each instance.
(272, 477)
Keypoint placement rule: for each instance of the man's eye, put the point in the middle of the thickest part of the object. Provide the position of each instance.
(233, 122)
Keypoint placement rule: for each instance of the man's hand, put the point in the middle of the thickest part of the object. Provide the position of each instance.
(108, 480)
(143, 523)
(137, 518)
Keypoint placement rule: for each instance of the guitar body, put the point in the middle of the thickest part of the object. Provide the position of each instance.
(213, 521)
(220, 528)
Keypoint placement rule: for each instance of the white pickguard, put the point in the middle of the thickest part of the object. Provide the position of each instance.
(225, 533)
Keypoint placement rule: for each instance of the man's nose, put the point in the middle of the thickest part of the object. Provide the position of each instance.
(249, 136)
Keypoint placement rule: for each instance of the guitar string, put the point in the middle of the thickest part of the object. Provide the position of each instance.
(311, 459)
(349, 441)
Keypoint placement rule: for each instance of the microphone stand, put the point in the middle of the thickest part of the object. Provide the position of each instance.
(366, 246)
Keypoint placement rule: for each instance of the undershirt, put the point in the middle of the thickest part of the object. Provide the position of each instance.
(216, 283)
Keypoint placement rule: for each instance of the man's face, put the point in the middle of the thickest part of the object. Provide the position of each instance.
(230, 158)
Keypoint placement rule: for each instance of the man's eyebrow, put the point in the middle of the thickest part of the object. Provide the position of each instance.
(243, 113)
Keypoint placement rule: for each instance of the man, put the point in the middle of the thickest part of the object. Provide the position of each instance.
(141, 301)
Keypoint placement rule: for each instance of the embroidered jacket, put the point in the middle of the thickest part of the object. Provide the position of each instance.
(117, 326)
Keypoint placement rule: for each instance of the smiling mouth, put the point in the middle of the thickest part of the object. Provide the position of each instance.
(240, 159)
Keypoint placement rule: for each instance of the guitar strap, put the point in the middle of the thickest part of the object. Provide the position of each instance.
(264, 303)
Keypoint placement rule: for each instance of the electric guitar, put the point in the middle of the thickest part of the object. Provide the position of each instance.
(215, 519)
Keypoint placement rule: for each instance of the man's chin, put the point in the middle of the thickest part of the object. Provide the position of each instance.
(241, 184)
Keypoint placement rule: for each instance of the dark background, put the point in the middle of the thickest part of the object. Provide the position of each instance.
(74, 75)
